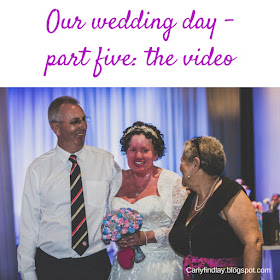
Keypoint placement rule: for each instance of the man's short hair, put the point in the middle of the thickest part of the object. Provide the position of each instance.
(53, 110)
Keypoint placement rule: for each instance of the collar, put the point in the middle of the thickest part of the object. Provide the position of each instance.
(64, 155)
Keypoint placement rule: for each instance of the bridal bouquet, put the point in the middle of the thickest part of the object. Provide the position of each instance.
(116, 225)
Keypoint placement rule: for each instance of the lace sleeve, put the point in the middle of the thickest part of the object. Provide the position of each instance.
(179, 195)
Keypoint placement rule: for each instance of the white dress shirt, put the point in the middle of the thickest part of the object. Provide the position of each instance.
(46, 210)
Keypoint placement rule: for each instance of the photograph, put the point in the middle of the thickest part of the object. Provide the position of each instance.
(139, 183)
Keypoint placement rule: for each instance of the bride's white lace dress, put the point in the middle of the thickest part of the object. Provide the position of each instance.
(159, 214)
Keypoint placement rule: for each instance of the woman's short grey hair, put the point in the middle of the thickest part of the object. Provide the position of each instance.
(211, 154)
(53, 110)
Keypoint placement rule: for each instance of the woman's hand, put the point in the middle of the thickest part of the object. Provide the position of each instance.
(137, 238)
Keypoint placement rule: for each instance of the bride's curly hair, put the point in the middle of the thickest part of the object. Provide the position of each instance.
(150, 132)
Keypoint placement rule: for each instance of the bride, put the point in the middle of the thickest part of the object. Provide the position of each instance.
(158, 195)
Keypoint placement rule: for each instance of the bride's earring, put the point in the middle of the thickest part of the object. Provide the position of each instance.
(189, 177)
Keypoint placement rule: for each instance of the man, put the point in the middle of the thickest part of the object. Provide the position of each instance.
(64, 200)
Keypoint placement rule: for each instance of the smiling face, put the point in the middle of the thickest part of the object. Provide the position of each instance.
(69, 128)
(140, 154)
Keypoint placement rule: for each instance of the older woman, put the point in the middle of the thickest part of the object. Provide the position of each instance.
(217, 230)
(158, 195)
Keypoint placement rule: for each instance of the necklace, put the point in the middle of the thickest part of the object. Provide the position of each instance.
(141, 188)
(199, 207)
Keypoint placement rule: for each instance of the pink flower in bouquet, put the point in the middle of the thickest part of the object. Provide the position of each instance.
(135, 225)
(124, 231)
(126, 224)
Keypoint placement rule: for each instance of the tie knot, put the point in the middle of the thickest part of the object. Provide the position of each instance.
(73, 158)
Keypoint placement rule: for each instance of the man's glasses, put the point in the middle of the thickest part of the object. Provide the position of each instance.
(76, 121)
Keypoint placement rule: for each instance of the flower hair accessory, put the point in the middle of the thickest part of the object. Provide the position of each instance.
(141, 128)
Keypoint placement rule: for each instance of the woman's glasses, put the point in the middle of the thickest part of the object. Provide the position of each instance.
(196, 142)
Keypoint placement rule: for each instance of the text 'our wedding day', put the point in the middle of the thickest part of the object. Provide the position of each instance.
(101, 56)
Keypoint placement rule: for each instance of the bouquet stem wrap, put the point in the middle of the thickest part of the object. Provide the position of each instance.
(139, 255)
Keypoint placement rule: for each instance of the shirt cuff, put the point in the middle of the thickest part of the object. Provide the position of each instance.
(31, 275)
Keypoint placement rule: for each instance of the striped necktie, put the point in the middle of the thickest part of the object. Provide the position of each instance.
(78, 213)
